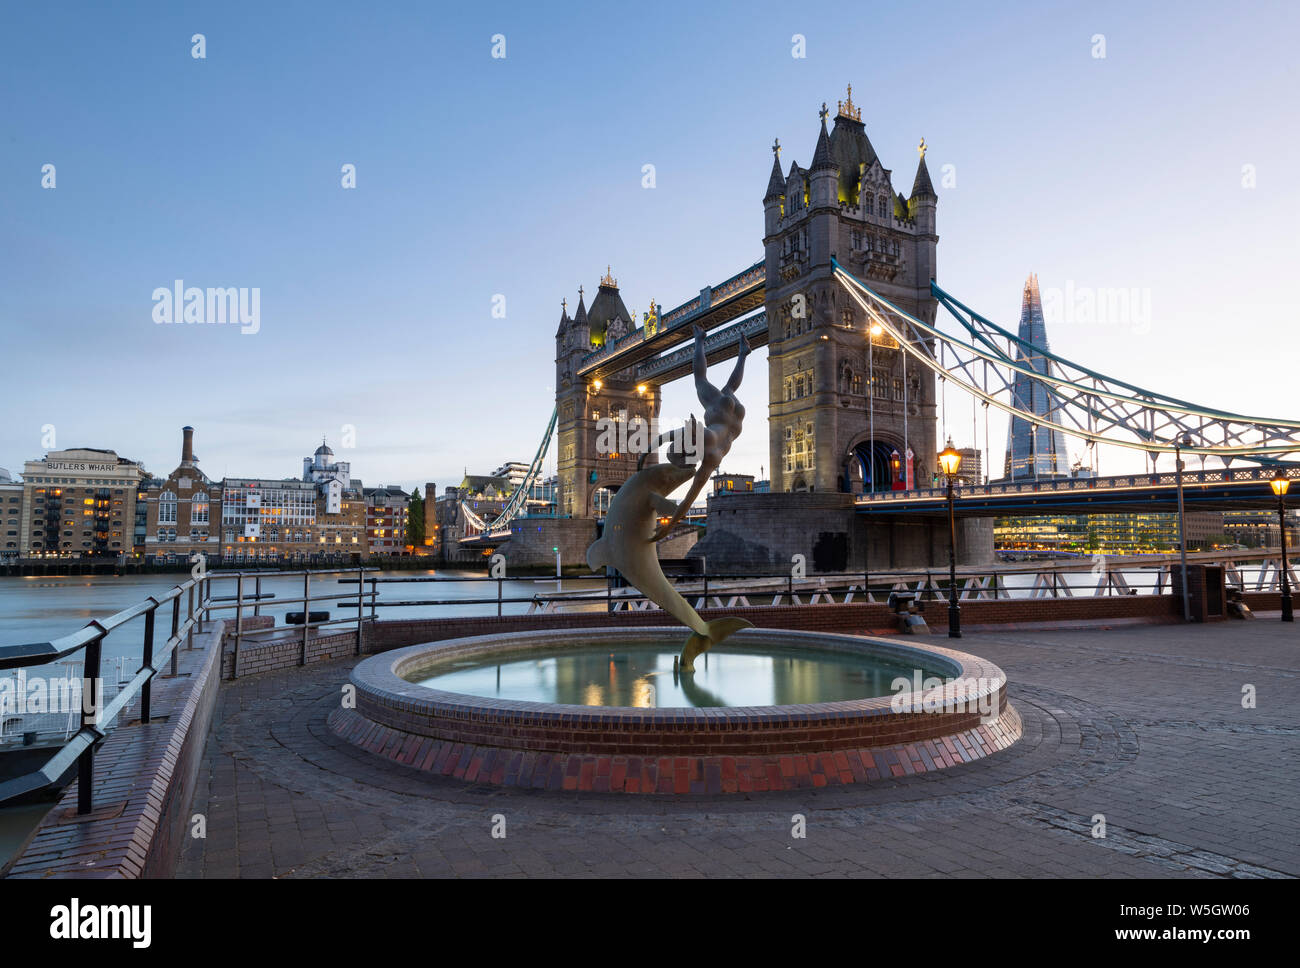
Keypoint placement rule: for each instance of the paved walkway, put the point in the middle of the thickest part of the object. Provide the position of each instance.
(1143, 725)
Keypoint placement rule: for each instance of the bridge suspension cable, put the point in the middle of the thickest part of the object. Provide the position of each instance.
(1082, 402)
(517, 503)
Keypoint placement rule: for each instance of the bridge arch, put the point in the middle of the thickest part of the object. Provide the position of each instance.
(602, 493)
(874, 464)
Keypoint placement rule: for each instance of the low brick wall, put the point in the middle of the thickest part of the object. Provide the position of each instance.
(283, 649)
(145, 777)
(854, 619)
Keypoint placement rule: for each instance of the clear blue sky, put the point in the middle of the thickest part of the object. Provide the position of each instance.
(478, 176)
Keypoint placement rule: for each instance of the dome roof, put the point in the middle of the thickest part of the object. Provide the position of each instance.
(323, 450)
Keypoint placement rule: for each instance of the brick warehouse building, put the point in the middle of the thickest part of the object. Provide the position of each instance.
(78, 503)
(386, 511)
(182, 512)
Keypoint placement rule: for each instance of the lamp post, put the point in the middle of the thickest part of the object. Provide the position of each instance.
(872, 332)
(1179, 443)
(1280, 483)
(950, 461)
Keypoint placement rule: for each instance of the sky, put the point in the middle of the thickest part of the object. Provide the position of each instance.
(479, 177)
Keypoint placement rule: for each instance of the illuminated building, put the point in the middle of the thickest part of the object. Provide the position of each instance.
(1035, 444)
(78, 503)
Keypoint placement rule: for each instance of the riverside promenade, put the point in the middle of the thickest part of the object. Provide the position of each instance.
(1140, 725)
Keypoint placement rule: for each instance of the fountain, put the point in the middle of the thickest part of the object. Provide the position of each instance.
(733, 709)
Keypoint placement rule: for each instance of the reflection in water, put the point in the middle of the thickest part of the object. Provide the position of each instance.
(643, 676)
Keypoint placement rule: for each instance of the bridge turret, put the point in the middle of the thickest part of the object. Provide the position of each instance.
(774, 200)
(564, 321)
(839, 405)
(825, 174)
(921, 208)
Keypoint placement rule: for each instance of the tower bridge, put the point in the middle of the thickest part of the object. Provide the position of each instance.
(846, 301)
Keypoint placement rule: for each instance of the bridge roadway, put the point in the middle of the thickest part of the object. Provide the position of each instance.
(1214, 490)
(714, 306)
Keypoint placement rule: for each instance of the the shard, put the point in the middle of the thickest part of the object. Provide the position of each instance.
(1035, 444)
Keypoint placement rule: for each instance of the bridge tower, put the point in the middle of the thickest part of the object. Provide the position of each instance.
(820, 416)
(596, 420)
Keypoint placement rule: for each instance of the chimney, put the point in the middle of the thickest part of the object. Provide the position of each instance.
(187, 447)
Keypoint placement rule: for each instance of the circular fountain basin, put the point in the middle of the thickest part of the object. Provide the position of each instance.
(604, 710)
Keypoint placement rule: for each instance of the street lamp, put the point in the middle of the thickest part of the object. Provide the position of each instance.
(872, 333)
(950, 461)
(1280, 483)
(1184, 441)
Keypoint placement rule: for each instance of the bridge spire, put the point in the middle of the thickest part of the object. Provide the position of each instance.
(775, 183)
(847, 109)
(822, 156)
(581, 315)
(921, 185)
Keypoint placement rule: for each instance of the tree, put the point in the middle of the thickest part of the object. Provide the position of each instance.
(415, 520)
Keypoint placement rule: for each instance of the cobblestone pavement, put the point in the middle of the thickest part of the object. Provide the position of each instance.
(1142, 725)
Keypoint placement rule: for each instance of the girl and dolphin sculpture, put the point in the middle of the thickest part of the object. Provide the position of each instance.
(631, 532)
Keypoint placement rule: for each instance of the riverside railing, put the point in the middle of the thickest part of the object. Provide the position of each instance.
(96, 717)
(1120, 577)
(80, 748)
(242, 600)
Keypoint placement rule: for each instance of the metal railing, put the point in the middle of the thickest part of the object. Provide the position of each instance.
(240, 601)
(1117, 577)
(1162, 479)
(96, 717)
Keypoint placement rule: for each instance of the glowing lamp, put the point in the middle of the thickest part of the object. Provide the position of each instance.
(950, 459)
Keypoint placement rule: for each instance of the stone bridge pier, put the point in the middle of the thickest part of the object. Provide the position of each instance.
(752, 533)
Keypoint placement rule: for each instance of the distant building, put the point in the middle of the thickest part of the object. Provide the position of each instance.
(181, 512)
(512, 471)
(287, 519)
(78, 503)
(1120, 532)
(1204, 529)
(733, 484)
(431, 538)
(1035, 444)
(321, 468)
(386, 513)
(11, 514)
(1128, 532)
(969, 471)
(1258, 528)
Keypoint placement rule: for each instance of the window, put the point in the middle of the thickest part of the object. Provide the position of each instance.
(199, 509)
(167, 508)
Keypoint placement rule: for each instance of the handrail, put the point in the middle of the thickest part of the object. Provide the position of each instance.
(96, 716)
(80, 748)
